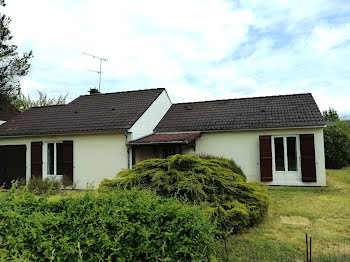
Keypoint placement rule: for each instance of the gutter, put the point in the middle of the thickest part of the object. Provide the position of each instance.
(159, 143)
(237, 130)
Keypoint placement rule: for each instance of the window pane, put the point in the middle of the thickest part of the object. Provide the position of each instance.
(170, 150)
(59, 158)
(292, 154)
(279, 154)
(50, 158)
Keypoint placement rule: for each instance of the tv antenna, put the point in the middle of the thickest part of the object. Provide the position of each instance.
(99, 72)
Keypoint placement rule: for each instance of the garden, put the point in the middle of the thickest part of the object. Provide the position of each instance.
(184, 208)
(173, 209)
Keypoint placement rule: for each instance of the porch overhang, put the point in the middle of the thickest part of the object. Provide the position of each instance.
(167, 138)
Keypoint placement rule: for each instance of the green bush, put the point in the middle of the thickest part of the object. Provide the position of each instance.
(122, 226)
(337, 146)
(40, 186)
(208, 181)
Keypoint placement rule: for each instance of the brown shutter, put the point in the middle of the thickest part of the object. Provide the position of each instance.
(265, 158)
(307, 151)
(36, 159)
(68, 162)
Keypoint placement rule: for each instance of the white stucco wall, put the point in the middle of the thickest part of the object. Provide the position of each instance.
(148, 121)
(243, 147)
(95, 156)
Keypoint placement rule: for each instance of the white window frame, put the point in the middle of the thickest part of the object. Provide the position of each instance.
(45, 159)
(286, 175)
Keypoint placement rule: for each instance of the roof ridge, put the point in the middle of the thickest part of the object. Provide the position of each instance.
(127, 91)
(240, 98)
(36, 107)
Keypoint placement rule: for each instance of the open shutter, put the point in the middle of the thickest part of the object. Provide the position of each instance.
(36, 154)
(307, 151)
(265, 158)
(68, 162)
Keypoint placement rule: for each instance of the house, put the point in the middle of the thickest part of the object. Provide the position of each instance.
(277, 140)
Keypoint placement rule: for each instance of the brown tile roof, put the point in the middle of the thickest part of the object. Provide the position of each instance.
(179, 138)
(8, 114)
(90, 113)
(298, 110)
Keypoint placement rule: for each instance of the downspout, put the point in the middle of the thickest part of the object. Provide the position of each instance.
(127, 148)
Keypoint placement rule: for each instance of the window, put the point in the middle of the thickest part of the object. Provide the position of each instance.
(55, 158)
(50, 158)
(292, 153)
(169, 151)
(279, 154)
(285, 153)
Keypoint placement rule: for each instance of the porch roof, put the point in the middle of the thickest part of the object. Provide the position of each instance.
(168, 138)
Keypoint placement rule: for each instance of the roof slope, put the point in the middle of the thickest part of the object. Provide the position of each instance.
(246, 113)
(178, 138)
(97, 112)
(6, 115)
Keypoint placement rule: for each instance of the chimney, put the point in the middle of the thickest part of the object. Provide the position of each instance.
(93, 91)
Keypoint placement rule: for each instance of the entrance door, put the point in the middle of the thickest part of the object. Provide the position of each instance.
(286, 158)
(12, 164)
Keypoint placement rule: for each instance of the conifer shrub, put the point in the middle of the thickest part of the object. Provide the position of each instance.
(121, 226)
(209, 182)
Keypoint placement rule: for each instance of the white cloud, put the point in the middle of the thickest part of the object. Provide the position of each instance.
(194, 48)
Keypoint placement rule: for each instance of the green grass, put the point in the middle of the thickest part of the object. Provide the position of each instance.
(323, 213)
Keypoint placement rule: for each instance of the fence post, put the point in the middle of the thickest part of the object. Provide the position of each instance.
(307, 248)
(310, 249)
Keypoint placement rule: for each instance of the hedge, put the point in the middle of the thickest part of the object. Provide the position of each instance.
(120, 226)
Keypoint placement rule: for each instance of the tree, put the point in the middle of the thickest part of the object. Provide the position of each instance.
(23, 102)
(330, 115)
(12, 65)
(337, 145)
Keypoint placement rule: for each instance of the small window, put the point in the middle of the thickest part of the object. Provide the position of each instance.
(292, 153)
(279, 154)
(59, 158)
(169, 151)
(50, 158)
(55, 159)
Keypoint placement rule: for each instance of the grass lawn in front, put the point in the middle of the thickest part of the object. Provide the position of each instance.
(322, 213)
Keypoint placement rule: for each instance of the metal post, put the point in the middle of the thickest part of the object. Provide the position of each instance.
(307, 248)
(99, 82)
(310, 250)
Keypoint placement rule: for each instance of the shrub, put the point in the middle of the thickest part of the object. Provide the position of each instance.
(40, 186)
(230, 164)
(123, 226)
(337, 146)
(226, 195)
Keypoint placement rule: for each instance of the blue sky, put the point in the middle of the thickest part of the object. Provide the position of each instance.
(196, 49)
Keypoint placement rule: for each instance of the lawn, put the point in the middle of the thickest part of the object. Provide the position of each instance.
(322, 213)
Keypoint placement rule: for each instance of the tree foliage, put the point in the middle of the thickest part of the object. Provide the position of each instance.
(212, 182)
(23, 102)
(12, 64)
(337, 145)
(330, 115)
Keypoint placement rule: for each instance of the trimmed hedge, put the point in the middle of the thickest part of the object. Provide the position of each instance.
(121, 226)
(208, 181)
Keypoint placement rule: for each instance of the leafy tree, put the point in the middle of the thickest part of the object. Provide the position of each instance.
(12, 65)
(337, 145)
(330, 115)
(23, 102)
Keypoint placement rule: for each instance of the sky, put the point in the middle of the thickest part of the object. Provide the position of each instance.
(196, 49)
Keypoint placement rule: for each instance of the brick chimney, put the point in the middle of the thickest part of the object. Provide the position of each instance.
(93, 91)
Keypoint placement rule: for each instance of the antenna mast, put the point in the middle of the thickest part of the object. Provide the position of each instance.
(99, 72)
